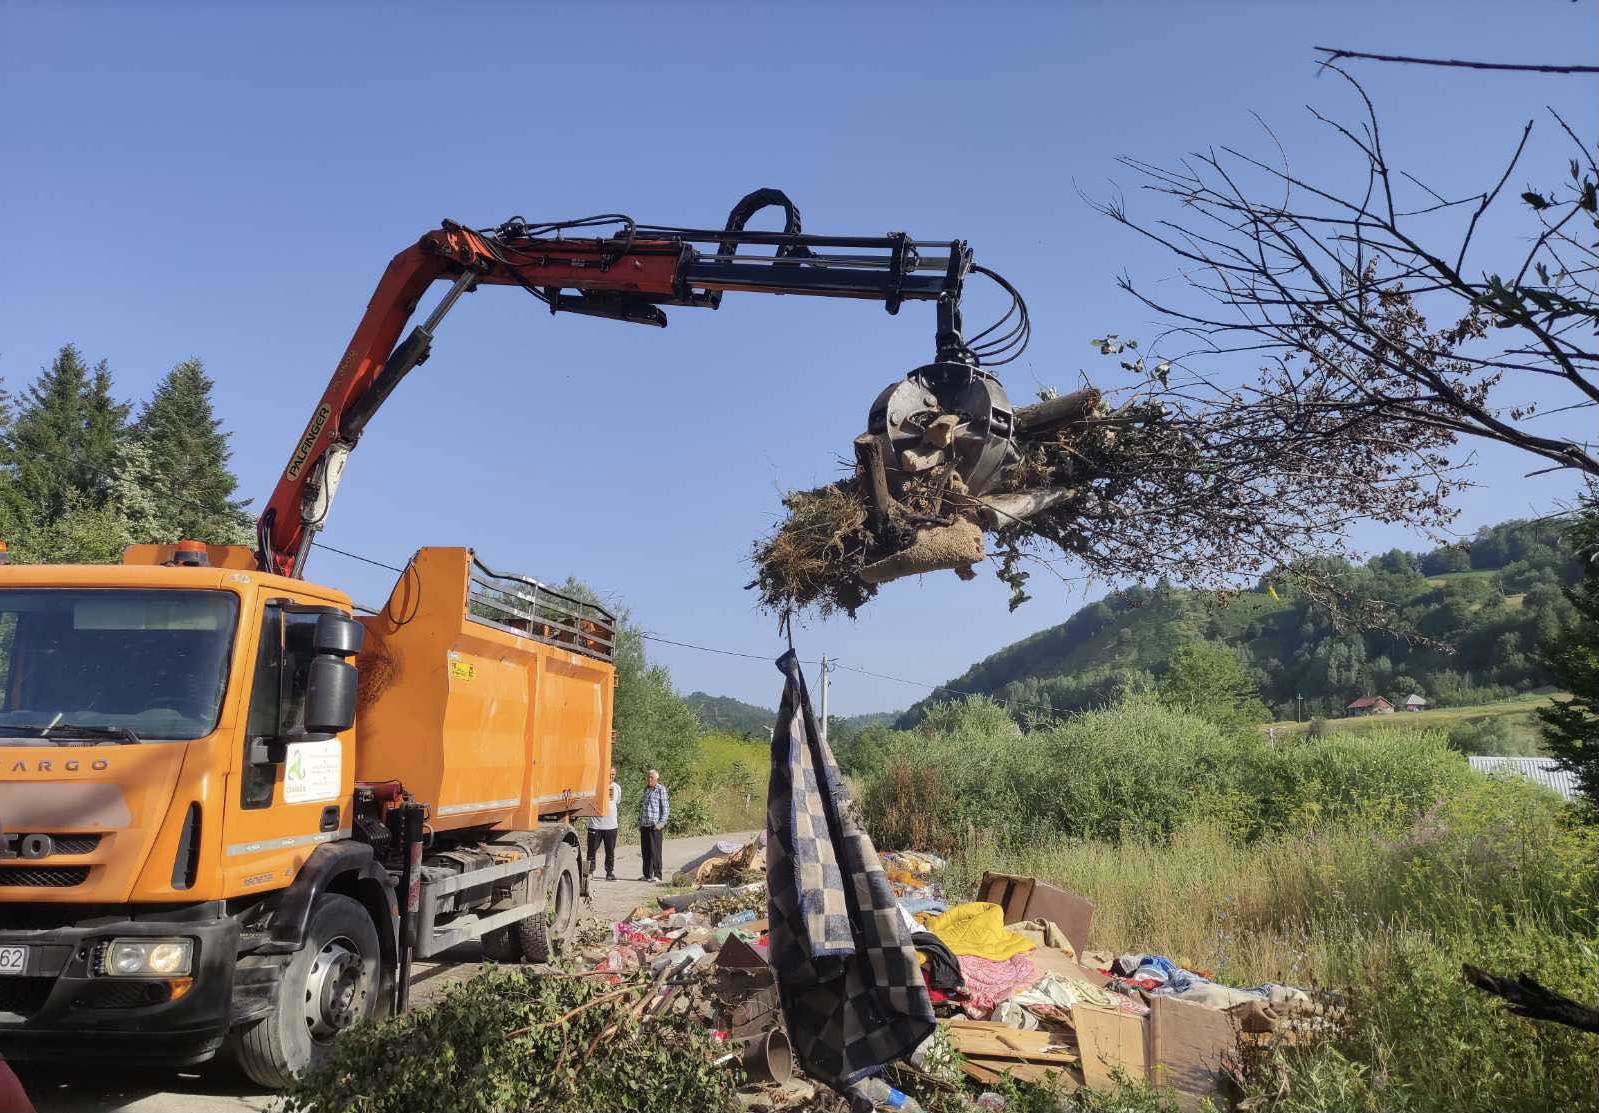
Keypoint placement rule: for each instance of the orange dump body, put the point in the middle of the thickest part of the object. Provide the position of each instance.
(488, 697)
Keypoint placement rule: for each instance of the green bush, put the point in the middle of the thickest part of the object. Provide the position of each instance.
(507, 1039)
(727, 784)
(1387, 776)
(1511, 735)
(1139, 770)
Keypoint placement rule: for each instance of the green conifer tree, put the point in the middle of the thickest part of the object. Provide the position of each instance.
(45, 439)
(105, 431)
(12, 518)
(182, 464)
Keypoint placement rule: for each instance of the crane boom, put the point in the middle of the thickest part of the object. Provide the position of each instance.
(625, 276)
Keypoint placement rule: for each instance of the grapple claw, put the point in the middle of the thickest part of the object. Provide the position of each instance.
(940, 414)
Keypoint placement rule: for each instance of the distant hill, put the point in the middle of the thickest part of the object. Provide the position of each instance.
(732, 716)
(854, 724)
(1485, 604)
(724, 714)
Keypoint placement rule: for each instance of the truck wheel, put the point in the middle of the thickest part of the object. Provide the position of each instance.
(330, 983)
(543, 933)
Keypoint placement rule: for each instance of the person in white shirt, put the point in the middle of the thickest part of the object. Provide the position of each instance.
(602, 830)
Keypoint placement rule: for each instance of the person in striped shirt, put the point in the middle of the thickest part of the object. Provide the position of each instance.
(654, 811)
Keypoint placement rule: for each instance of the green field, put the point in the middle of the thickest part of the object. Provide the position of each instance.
(1443, 717)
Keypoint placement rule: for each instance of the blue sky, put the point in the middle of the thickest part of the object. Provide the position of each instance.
(228, 181)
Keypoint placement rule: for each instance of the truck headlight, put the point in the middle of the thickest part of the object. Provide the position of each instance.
(127, 958)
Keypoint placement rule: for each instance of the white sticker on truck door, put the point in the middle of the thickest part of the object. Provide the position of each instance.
(311, 771)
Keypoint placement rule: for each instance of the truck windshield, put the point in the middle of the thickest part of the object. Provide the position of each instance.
(99, 665)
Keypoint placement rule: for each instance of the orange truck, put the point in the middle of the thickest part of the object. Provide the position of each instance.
(233, 806)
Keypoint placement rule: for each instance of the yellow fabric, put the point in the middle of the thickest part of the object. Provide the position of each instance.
(978, 928)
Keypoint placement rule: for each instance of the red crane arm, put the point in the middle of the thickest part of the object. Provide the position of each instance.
(358, 387)
(626, 277)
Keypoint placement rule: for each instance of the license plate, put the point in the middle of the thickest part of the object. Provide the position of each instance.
(13, 959)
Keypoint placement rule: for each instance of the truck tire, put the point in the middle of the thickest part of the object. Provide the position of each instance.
(330, 983)
(543, 933)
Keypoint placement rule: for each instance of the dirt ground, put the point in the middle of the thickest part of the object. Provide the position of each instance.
(219, 1088)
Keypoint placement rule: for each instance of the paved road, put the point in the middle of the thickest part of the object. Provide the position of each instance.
(219, 1088)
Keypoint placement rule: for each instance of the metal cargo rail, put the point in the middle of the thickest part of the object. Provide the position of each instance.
(525, 607)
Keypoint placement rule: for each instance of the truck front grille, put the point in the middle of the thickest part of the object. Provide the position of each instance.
(115, 993)
(50, 877)
(24, 996)
(75, 844)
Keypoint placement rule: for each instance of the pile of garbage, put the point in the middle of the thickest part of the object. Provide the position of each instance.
(1016, 988)
(1025, 997)
(706, 951)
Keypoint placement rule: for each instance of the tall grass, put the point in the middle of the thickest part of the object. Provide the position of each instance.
(1276, 909)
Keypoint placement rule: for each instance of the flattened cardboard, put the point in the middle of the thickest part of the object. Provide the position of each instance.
(1189, 1046)
(1109, 1042)
(1047, 960)
(1027, 898)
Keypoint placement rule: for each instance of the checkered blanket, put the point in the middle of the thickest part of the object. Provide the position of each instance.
(851, 988)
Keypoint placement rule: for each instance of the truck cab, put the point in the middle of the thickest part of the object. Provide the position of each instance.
(196, 838)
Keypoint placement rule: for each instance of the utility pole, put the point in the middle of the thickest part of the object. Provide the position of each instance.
(824, 698)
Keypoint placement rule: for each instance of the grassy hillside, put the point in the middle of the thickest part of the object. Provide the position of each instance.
(1459, 627)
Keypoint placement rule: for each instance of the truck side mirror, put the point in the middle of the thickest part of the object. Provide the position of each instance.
(337, 634)
(330, 695)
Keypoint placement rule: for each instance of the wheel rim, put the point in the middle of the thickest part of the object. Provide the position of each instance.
(335, 989)
(564, 902)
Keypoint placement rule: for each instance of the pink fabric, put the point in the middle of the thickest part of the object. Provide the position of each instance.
(989, 982)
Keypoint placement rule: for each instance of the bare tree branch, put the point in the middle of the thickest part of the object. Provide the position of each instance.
(1337, 55)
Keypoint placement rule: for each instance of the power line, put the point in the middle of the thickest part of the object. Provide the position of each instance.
(919, 683)
(647, 636)
(709, 649)
(358, 556)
